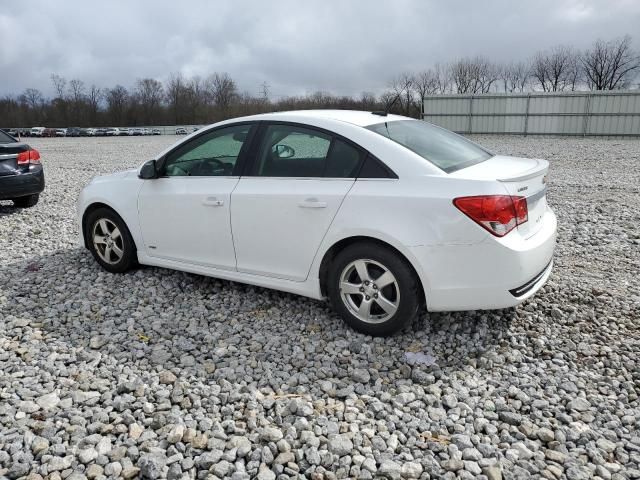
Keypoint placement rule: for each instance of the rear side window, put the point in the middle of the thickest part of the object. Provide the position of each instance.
(374, 168)
(446, 150)
(343, 161)
(296, 151)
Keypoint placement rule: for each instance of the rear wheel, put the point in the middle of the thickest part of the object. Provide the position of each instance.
(109, 241)
(373, 289)
(26, 202)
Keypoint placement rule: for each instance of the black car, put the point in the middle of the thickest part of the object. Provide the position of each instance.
(75, 132)
(21, 173)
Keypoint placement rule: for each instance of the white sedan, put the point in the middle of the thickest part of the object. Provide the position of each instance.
(382, 214)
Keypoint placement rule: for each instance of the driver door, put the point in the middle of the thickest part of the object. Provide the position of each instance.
(185, 213)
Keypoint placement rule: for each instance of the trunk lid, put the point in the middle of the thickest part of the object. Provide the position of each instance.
(521, 177)
(9, 157)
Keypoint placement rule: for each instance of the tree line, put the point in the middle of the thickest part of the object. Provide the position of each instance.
(606, 65)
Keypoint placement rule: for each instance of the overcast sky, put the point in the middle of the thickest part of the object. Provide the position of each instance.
(343, 47)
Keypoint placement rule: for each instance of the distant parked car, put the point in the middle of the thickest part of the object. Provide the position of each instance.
(146, 131)
(48, 132)
(124, 131)
(181, 131)
(21, 174)
(90, 132)
(156, 131)
(61, 132)
(14, 132)
(113, 132)
(37, 131)
(137, 131)
(74, 132)
(101, 132)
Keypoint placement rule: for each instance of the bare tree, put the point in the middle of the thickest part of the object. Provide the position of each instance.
(402, 87)
(34, 102)
(176, 96)
(442, 76)
(59, 85)
(222, 90)
(117, 100)
(610, 65)
(93, 102)
(425, 83)
(33, 97)
(148, 93)
(196, 100)
(557, 69)
(515, 77)
(473, 75)
(76, 98)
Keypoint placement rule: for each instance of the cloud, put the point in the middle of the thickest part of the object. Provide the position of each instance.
(344, 47)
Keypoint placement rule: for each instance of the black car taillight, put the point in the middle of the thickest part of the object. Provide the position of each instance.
(29, 157)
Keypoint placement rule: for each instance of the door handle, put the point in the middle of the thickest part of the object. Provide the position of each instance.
(312, 203)
(212, 202)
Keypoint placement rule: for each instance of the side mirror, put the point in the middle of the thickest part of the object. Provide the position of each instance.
(148, 170)
(283, 151)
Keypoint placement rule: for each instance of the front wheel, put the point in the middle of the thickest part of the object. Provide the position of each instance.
(109, 241)
(373, 289)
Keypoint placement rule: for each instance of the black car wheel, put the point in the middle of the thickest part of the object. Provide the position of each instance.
(27, 201)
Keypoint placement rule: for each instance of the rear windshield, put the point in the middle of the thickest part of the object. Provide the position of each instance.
(4, 138)
(446, 150)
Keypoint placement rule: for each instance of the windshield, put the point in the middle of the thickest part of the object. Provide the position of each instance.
(446, 150)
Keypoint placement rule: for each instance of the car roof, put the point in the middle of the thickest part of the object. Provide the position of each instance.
(355, 117)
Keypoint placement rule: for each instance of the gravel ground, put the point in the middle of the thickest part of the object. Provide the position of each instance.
(158, 373)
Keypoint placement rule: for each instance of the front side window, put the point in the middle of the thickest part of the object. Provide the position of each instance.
(296, 151)
(213, 154)
(446, 150)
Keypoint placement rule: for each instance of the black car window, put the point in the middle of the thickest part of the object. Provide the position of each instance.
(374, 168)
(444, 149)
(5, 138)
(296, 151)
(213, 154)
(343, 160)
(292, 151)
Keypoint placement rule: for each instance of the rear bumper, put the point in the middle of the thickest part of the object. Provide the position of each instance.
(496, 273)
(14, 186)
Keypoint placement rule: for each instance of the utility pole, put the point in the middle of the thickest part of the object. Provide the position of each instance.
(264, 88)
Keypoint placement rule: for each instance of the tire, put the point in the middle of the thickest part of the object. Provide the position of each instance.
(26, 202)
(401, 298)
(110, 241)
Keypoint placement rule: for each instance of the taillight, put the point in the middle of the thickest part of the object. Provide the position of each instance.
(29, 157)
(499, 214)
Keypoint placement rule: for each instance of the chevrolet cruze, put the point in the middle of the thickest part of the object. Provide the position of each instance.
(382, 214)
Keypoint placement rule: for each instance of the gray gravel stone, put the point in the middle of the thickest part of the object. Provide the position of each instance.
(104, 373)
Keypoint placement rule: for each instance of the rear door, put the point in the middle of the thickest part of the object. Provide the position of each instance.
(282, 209)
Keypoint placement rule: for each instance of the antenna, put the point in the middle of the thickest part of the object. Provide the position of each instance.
(385, 112)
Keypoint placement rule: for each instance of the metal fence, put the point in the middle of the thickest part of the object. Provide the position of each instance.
(574, 113)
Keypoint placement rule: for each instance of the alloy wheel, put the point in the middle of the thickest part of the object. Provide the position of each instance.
(369, 290)
(108, 241)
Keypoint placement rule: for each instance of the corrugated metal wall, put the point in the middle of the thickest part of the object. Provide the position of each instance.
(557, 113)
